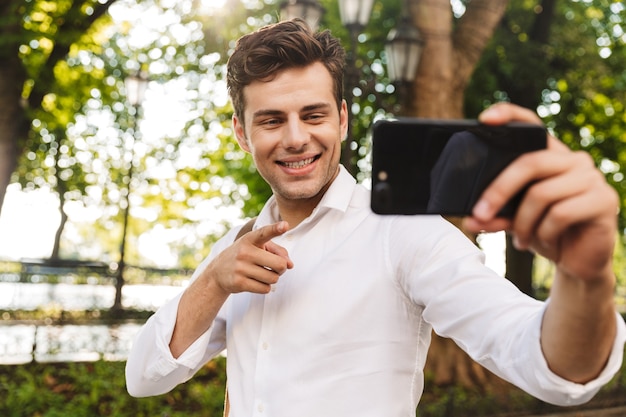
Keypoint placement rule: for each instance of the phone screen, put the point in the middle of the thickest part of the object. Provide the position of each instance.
(423, 166)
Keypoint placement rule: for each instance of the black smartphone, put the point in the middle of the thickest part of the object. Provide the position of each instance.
(426, 166)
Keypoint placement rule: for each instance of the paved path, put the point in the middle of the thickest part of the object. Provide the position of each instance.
(606, 412)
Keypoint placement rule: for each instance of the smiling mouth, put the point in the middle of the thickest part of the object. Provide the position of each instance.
(299, 164)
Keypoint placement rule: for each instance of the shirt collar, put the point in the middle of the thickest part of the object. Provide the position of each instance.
(339, 193)
(338, 197)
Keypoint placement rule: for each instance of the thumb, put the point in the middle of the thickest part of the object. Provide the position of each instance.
(501, 113)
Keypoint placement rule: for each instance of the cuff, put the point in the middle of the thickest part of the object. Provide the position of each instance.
(192, 357)
(570, 393)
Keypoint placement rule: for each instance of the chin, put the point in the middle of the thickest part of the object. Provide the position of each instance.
(298, 192)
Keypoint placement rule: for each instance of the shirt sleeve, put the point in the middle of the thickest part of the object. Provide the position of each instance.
(484, 313)
(151, 369)
(552, 388)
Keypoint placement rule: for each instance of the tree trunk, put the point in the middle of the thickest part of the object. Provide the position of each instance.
(519, 264)
(451, 52)
(56, 248)
(61, 189)
(519, 267)
(12, 120)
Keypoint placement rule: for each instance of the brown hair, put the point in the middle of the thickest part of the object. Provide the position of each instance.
(260, 55)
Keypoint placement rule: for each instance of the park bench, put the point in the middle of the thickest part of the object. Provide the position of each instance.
(30, 267)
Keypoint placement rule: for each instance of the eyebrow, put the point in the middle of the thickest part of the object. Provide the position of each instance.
(316, 106)
(263, 113)
(307, 108)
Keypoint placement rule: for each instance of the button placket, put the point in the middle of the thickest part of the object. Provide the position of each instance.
(263, 370)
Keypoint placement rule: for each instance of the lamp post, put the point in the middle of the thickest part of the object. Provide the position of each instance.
(355, 15)
(309, 10)
(403, 49)
(135, 86)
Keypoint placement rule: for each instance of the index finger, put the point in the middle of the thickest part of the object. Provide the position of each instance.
(526, 169)
(264, 234)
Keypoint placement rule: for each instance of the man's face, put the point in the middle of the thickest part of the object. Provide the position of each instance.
(293, 130)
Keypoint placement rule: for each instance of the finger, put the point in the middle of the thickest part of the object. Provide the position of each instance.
(264, 234)
(254, 275)
(501, 113)
(280, 251)
(562, 216)
(541, 201)
(526, 169)
(475, 225)
(261, 273)
(270, 257)
(554, 144)
(248, 284)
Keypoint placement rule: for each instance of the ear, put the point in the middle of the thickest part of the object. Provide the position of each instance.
(240, 134)
(343, 120)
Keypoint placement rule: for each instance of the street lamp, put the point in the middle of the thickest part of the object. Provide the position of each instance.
(308, 10)
(135, 86)
(403, 49)
(355, 15)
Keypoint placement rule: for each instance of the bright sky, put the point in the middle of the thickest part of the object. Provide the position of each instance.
(27, 224)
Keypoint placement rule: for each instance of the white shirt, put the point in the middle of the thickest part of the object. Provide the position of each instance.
(346, 331)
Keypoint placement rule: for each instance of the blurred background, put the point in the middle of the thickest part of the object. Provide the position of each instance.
(119, 168)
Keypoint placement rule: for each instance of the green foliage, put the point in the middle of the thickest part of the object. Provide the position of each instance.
(568, 65)
(98, 389)
(577, 72)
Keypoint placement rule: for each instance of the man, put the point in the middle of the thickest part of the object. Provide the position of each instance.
(326, 309)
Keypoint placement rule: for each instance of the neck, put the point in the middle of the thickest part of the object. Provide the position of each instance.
(295, 211)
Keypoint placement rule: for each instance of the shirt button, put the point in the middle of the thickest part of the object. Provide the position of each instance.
(265, 346)
(260, 408)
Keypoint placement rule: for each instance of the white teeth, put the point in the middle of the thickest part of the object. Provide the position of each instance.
(298, 164)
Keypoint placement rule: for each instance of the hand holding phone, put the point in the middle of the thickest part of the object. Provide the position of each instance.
(425, 166)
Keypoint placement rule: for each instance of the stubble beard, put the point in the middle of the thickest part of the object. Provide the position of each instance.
(294, 191)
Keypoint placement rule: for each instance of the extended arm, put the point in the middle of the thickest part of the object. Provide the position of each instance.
(569, 216)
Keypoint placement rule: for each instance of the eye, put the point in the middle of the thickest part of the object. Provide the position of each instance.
(313, 117)
(270, 122)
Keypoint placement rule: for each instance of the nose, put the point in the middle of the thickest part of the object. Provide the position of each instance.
(297, 134)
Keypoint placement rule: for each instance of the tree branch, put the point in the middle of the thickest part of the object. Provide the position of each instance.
(75, 24)
(473, 33)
